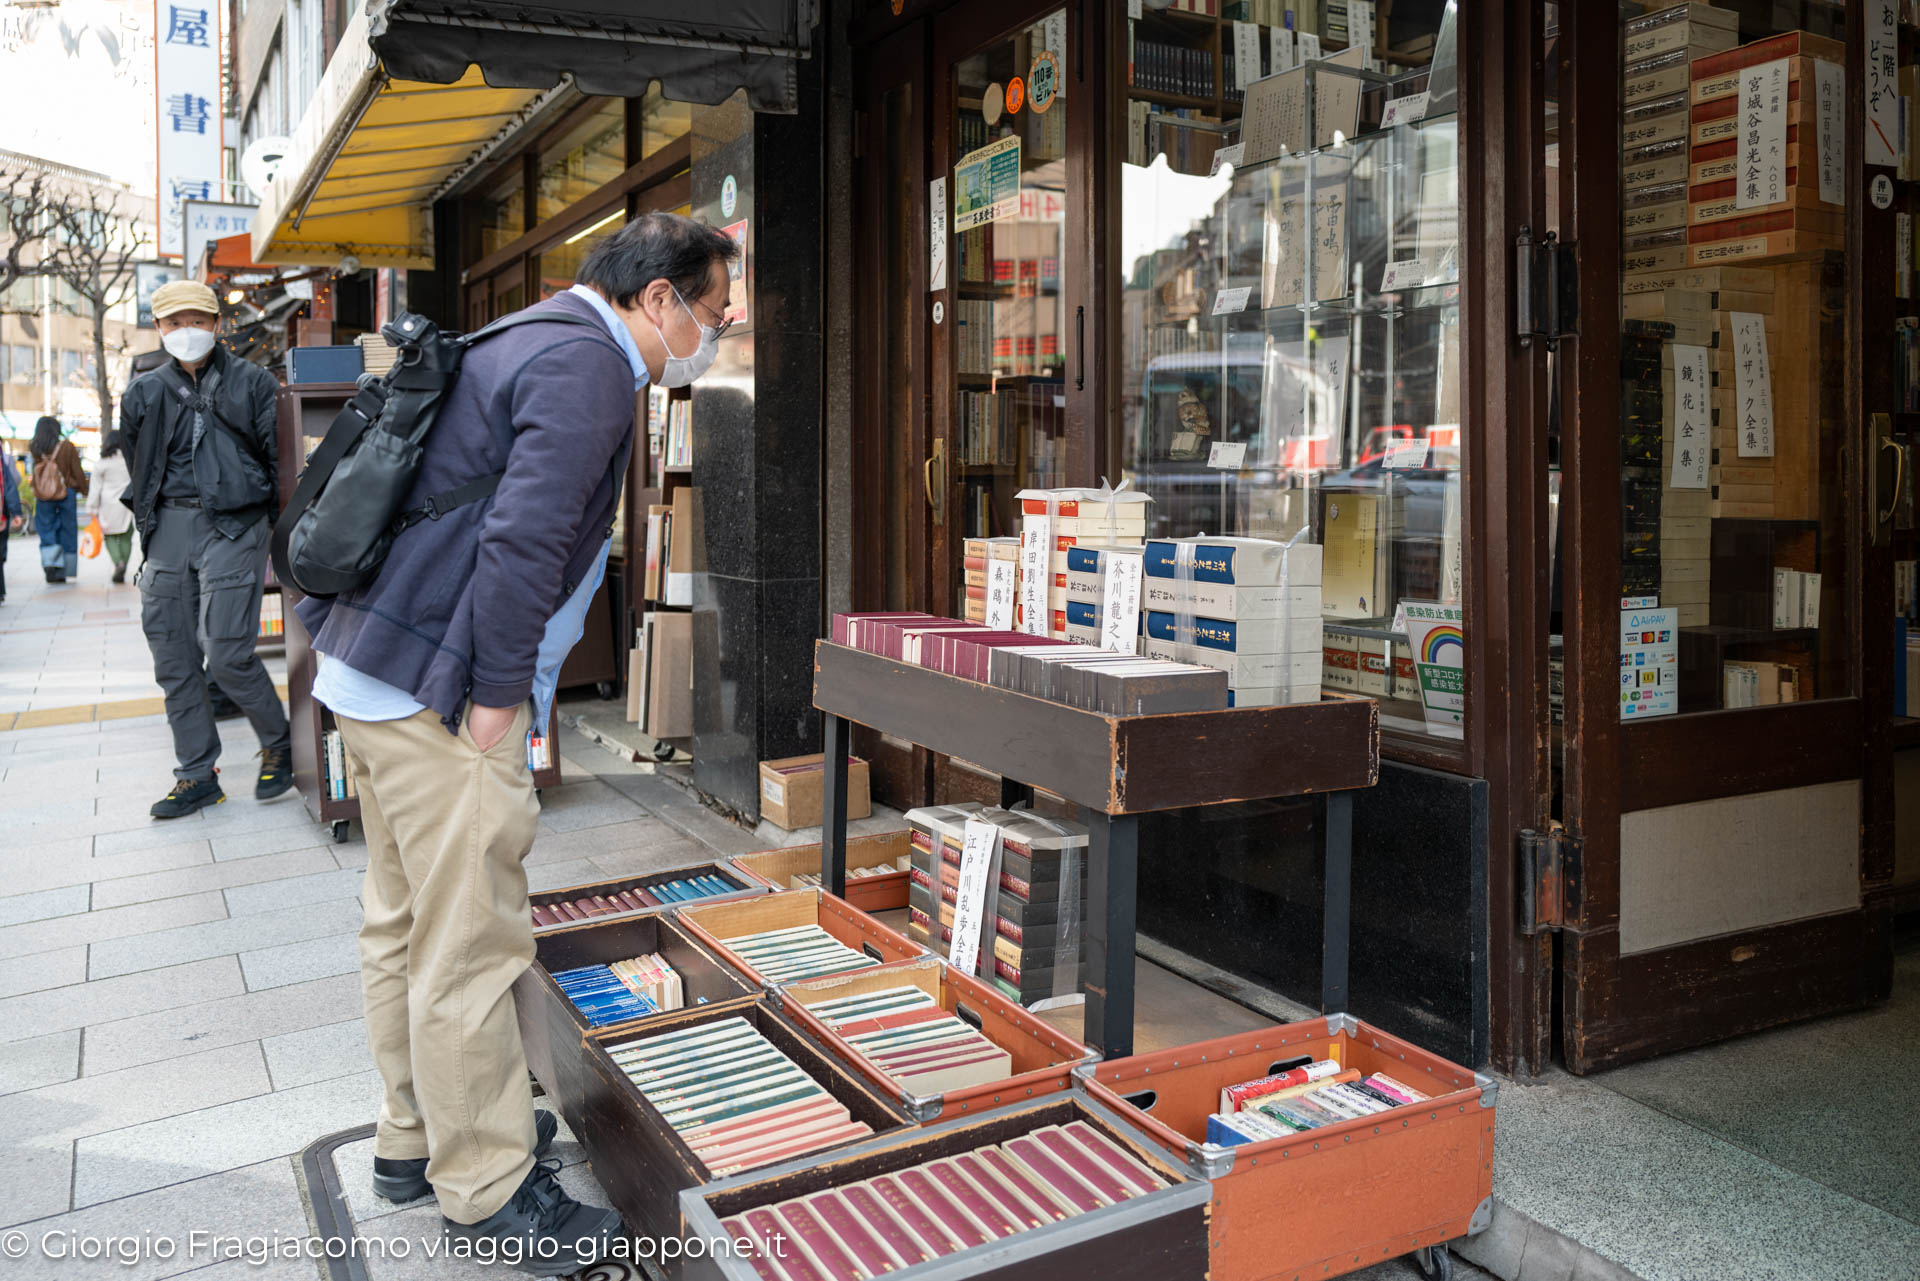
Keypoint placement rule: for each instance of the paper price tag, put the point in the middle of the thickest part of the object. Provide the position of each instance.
(937, 235)
(1002, 575)
(1120, 607)
(970, 899)
(1036, 565)
(1762, 177)
(1409, 273)
(1229, 455)
(1692, 417)
(1405, 111)
(1830, 149)
(1227, 156)
(1230, 302)
(1404, 454)
(1753, 385)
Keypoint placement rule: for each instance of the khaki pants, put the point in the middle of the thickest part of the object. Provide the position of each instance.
(447, 932)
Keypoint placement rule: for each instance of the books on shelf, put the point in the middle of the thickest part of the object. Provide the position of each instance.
(273, 617)
(1758, 684)
(633, 898)
(336, 767)
(1306, 1098)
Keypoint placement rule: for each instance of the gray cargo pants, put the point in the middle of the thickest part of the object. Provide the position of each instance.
(200, 598)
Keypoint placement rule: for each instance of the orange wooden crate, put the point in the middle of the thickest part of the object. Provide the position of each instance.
(1043, 1058)
(1331, 1200)
(880, 893)
(716, 924)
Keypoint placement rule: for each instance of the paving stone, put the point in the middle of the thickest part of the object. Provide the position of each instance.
(290, 963)
(81, 867)
(208, 876)
(244, 846)
(618, 838)
(40, 970)
(109, 1101)
(318, 1053)
(88, 1004)
(228, 1137)
(218, 937)
(247, 1016)
(659, 857)
(151, 834)
(17, 909)
(323, 883)
(552, 876)
(39, 1060)
(116, 923)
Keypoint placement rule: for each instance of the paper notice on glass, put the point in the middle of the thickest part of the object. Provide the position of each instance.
(1055, 26)
(1002, 577)
(937, 235)
(1437, 635)
(1830, 115)
(1649, 662)
(1246, 54)
(1036, 566)
(1281, 54)
(1330, 240)
(1404, 454)
(1692, 417)
(1405, 111)
(1227, 455)
(1882, 88)
(1762, 176)
(1120, 604)
(1753, 385)
(1327, 402)
(986, 185)
(1408, 273)
(970, 898)
(1231, 302)
(1283, 257)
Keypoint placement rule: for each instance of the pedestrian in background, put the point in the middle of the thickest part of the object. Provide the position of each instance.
(12, 515)
(59, 482)
(200, 430)
(23, 480)
(110, 481)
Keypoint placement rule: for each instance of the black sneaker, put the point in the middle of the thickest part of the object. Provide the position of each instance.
(187, 796)
(276, 773)
(401, 1181)
(540, 1230)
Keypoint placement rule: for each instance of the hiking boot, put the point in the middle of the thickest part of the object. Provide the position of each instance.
(188, 795)
(540, 1230)
(119, 573)
(276, 773)
(407, 1180)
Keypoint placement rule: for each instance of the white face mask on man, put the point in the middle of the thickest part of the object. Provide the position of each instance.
(188, 344)
(680, 371)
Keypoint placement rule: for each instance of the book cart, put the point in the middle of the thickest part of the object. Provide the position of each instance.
(303, 413)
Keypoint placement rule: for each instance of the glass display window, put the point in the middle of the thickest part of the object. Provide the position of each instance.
(587, 157)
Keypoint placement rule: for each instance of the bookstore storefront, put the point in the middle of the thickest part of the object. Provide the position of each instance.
(1584, 371)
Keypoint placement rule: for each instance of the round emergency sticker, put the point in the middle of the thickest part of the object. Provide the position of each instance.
(1016, 94)
(992, 103)
(939, 312)
(1882, 191)
(1043, 82)
(729, 196)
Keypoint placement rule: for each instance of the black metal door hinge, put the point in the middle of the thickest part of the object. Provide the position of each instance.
(1546, 282)
(1549, 879)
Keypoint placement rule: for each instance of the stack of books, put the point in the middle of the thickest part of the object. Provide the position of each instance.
(973, 336)
(798, 952)
(812, 881)
(1036, 904)
(1659, 49)
(336, 767)
(1747, 683)
(637, 898)
(602, 996)
(377, 355)
(273, 618)
(908, 1217)
(912, 1038)
(735, 1099)
(1087, 518)
(1305, 1098)
(978, 555)
(1735, 212)
(1249, 607)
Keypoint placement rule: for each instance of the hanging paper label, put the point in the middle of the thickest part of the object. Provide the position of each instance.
(1055, 26)
(1227, 455)
(1280, 49)
(1405, 111)
(1002, 577)
(1882, 88)
(1120, 605)
(970, 898)
(1036, 565)
(1246, 55)
(1763, 136)
(1830, 145)
(1309, 46)
(1692, 417)
(1753, 384)
(937, 235)
(1225, 156)
(1229, 302)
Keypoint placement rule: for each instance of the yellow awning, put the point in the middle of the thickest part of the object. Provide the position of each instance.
(368, 157)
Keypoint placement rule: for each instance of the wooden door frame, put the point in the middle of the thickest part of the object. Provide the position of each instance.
(1615, 1009)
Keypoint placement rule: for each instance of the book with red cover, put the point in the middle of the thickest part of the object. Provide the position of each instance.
(1788, 44)
(899, 1236)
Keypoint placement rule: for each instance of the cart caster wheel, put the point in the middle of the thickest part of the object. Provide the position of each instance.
(341, 830)
(604, 689)
(1434, 1263)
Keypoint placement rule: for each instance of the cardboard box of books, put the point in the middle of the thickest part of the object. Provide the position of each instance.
(944, 1042)
(607, 974)
(708, 1091)
(793, 790)
(876, 869)
(1372, 1144)
(1060, 1187)
(799, 934)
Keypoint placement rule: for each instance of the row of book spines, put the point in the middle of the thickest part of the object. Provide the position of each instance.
(336, 767)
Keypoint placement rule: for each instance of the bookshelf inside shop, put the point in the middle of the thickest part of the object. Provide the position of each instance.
(1292, 310)
(303, 413)
(663, 546)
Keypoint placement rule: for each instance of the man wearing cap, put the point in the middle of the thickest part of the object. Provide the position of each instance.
(200, 430)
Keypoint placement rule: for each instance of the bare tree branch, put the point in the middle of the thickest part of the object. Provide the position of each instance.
(94, 248)
(24, 200)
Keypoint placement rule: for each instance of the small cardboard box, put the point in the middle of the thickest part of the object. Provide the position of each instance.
(792, 790)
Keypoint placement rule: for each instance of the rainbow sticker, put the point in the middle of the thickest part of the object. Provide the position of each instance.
(1439, 639)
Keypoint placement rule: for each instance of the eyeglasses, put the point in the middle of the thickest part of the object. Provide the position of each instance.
(721, 323)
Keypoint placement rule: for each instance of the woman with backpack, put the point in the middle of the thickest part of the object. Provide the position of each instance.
(58, 483)
(110, 481)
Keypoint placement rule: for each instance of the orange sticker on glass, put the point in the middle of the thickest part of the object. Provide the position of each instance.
(1016, 94)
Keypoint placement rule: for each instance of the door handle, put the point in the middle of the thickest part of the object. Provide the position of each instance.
(1883, 444)
(937, 494)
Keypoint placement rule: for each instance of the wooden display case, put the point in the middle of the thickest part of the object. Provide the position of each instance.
(882, 892)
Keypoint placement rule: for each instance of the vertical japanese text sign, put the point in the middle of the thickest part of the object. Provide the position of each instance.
(187, 111)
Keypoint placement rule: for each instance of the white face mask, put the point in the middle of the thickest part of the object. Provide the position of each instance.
(188, 345)
(680, 371)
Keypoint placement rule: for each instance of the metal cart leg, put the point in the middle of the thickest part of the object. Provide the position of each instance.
(1337, 922)
(1113, 850)
(833, 808)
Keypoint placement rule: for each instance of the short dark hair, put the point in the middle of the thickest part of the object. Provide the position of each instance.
(657, 246)
(111, 443)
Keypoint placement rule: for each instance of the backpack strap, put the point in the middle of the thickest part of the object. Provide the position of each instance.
(343, 434)
(189, 391)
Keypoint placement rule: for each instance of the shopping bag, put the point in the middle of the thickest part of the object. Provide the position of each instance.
(90, 539)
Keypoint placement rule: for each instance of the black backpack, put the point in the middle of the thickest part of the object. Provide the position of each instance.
(349, 505)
